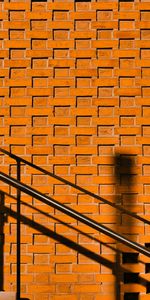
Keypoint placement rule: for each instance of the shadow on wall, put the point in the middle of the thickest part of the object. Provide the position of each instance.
(125, 197)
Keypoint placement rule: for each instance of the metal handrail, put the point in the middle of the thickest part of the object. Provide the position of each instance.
(77, 187)
(63, 208)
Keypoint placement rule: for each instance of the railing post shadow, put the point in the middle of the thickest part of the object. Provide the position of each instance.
(124, 173)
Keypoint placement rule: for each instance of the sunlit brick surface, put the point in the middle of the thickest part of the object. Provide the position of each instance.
(75, 100)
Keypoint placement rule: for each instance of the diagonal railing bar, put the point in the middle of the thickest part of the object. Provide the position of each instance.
(68, 225)
(77, 187)
(62, 239)
(61, 207)
(67, 242)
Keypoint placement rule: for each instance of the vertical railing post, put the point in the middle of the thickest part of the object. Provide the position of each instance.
(18, 233)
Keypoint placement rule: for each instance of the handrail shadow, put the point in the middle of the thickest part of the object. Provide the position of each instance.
(72, 213)
(114, 266)
(125, 191)
(77, 187)
(66, 241)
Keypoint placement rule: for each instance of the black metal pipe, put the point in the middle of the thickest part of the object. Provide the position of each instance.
(50, 201)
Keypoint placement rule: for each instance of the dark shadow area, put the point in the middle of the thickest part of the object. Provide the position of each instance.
(66, 241)
(125, 173)
(58, 237)
(63, 222)
(126, 177)
(129, 258)
(77, 187)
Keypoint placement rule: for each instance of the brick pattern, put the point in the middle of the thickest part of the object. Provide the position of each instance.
(74, 99)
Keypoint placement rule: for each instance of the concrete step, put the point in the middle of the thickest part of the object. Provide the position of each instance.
(7, 296)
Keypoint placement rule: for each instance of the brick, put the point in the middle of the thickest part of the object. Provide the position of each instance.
(38, 111)
(128, 131)
(60, 6)
(83, 92)
(105, 140)
(143, 24)
(39, 91)
(39, 269)
(61, 25)
(61, 82)
(3, 15)
(4, 54)
(36, 53)
(40, 34)
(105, 121)
(60, 44)
(14, 44)
(14, 83)
(128, 92)
(56, 140)
(3, 35)
(86, 268)
(61, 63)
(38, 15)
(82, 15)
(82, 34)
(104, 25)
(17, 121)
(17, 63)
(37, 249)
(41, 288)
(82, 53)
(65, 297)
(127, 34)
(83, 130)
(81, 150)
(104, 5)
(83, 111)
(106, 63)
(83, 72)
(104, 44)
(64, 278)
(129, 15)
(87, 288)
(16, 6)
(105, 82)
(16, 25)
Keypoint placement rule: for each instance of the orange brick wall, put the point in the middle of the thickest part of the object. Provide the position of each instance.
(75, 100)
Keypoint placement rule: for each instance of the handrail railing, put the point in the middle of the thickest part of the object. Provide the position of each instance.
(77, 187)
(61, 207)
(50, 201)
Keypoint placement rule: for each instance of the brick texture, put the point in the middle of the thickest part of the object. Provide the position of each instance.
(75, 100)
